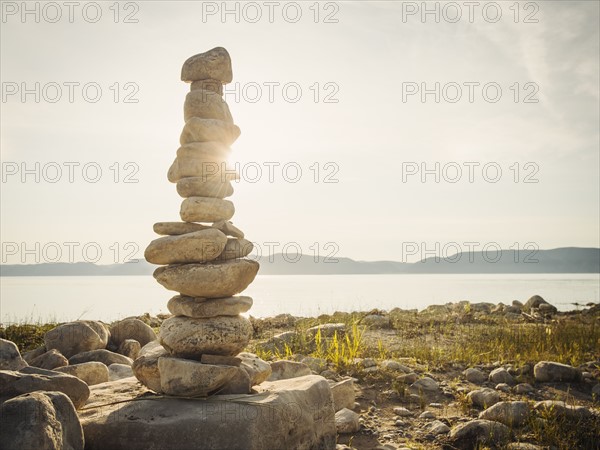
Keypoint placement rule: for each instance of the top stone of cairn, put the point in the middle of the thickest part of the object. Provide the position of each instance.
(214, 64)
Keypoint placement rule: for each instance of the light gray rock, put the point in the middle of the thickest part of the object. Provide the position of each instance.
(235, 248)
(190, 338)
(343, 394)
(346, 421)
(407, 378)
(240, 383)
(284, 369)
(327, 330)
(475, 376)
(535, 302)
(287, 414)
(145, 367)
(503, 387)
(104, 356)
(501, 375)
(524, 388)
(119, 371)
(41, 421)
(199, 246)
(390, 364)
(187, 378)
(438, 427)
(402, 411)
(77, 337)
(206, 105)
(427, 415)
(548, 371)
(91, 373)
(214, 64)
(32, 354)
(50, 360)
(206, 209)
(210, 280)
(561, 409)
(376, 321)
(511, 414)
(479, 432)
(213, 187)
(10, 358)
(425, 384)
(201, 130)
(257, 369)
(31, 379)
(181, 305)
(130, 348)
(483, 398)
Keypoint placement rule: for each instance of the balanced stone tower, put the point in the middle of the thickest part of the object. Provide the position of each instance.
(203, 256)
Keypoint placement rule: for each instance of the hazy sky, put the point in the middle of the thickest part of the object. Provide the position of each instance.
(368, 57)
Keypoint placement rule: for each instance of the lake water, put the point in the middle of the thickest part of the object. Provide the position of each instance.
(111, 298)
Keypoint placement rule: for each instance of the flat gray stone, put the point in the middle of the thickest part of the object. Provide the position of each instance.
(284, 369)
(91, 373)
(291, 414)
(31, 379)
(102, 355)
(186, 378)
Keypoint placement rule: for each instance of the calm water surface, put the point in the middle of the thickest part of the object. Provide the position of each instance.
(110, 298)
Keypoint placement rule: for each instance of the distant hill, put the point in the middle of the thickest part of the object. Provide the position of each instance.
(560, 260)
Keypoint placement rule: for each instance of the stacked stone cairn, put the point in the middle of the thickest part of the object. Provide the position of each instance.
(202, 257)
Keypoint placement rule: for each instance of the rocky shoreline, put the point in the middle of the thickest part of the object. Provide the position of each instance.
(386, 393)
